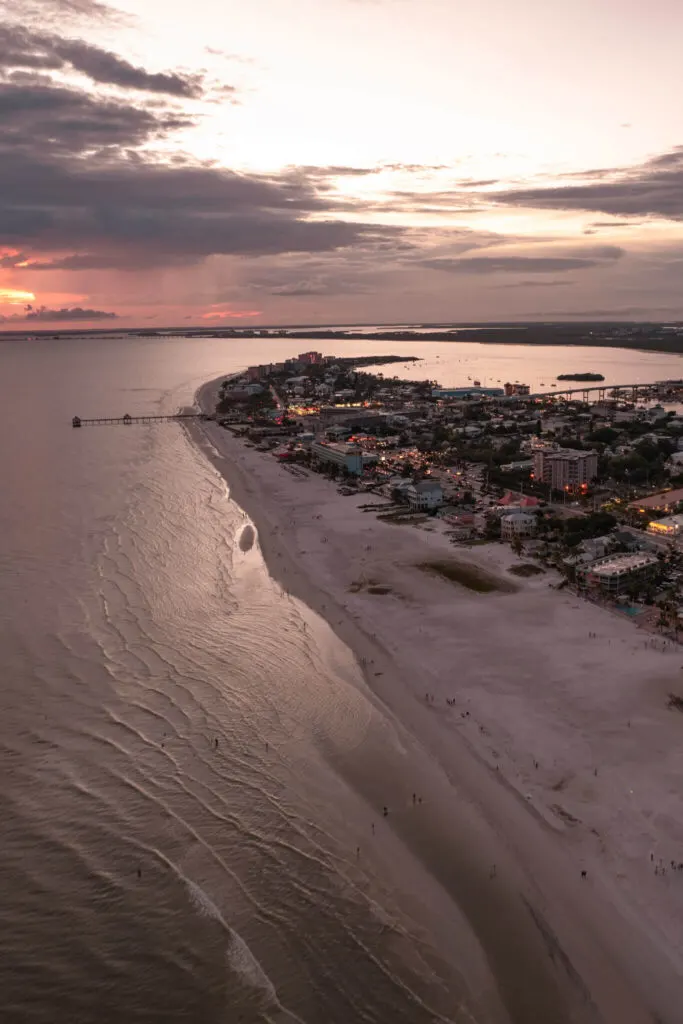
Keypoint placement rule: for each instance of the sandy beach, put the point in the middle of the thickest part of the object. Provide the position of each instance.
(558, 821)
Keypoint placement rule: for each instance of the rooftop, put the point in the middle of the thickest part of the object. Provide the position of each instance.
(568, 454)
(615, 565)
(428, 485)
(659, 500)
(338, 446)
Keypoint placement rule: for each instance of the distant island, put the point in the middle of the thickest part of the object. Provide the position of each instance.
(580, 376)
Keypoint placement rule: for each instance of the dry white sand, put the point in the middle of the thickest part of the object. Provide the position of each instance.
(559, 734)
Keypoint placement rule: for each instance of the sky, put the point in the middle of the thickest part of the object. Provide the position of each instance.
(339, 161)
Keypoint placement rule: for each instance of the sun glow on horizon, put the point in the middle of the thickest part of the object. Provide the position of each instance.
(15, 297)
(229, 314)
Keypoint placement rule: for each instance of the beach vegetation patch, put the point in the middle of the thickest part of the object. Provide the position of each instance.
(469, 576)
(370, 586)
(527, 569)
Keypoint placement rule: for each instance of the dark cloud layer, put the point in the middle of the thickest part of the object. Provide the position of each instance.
(21, 48)
(41, 117)
(75, 313)
(653, 189)
(42, 314)
(81, 189)
(511, 264)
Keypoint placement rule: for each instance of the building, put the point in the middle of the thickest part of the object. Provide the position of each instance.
(311, 358)
(516, 389)
(565, 469)
(348, 456)
(517, 524)
(663, 501)
(471, 392)
(519, 501)
(615, 573)
(462, 525)
(518, 467)
(424, 495)
(671, 526)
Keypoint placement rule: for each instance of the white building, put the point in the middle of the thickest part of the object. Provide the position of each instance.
(348, 456)
(517, 524)
(565, 469)
(613, 573)
(424, 495)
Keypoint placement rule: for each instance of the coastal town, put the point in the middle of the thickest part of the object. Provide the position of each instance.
(585, 487)
(506, 567)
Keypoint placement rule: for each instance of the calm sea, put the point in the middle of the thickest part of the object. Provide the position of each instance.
(174, 831)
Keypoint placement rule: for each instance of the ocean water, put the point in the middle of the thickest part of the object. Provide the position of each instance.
(176, 838)
(175, 843)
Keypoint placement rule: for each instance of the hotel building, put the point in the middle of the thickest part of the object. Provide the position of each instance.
(348, 456)
(565, 469)
(614, 573)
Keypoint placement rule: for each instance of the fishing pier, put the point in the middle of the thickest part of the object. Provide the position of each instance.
(127, 420)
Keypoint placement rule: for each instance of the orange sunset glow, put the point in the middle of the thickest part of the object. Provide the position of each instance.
(396, 160)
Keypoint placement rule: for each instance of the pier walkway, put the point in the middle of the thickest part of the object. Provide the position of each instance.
(127, 420)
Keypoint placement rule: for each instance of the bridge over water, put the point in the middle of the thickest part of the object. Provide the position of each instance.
(618, 391)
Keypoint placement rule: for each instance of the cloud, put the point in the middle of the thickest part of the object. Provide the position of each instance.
(295, 288)
(21, 48)
(332, 285)
(537, 284)
(414, 168)
(44, 315)
(616, 223)
(599, 252)
(120, 208)
(335, 171)
(61, 11)
(510, 264)
(41, 117)
(651, 189)
(12, 260)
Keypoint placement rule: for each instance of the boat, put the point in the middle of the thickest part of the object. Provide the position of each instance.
(477, 383)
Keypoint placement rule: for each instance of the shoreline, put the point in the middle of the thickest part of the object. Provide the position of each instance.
(567, 934)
